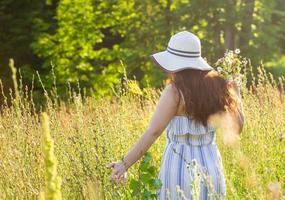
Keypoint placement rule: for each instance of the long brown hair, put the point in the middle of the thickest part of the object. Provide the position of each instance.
(204, 93)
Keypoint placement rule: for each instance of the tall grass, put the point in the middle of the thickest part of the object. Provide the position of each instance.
(88, 133)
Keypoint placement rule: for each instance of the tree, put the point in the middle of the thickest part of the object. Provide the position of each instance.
(84, 46)
(85, 40)
(18, 28)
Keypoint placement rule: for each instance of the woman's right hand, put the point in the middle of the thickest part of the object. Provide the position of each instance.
(118, 172)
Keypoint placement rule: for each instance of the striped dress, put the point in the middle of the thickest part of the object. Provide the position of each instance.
(191, 164)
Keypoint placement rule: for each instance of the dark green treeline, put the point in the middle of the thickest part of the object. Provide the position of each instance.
(85, 40)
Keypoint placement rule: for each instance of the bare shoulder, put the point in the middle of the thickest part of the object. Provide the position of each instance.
(170, 92)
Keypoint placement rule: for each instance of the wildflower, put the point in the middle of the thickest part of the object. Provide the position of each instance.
(168, 193)
(237, 51)
(180, 192)
(219, 69)
(230, 79)
(238, 80)
(230, 54)
(194, 162)
(230, 64)
(220, 61)
(178, 189)
(244, 61)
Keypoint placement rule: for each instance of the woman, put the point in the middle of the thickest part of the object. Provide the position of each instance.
(185, 107)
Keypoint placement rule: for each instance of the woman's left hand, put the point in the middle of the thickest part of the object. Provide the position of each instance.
(119, 172)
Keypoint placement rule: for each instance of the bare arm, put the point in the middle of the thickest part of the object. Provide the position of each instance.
(239, 116)
(165, 110)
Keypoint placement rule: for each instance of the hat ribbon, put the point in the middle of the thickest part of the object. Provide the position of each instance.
(183, 53)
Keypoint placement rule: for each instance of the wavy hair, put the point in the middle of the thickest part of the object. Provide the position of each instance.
(204, 93)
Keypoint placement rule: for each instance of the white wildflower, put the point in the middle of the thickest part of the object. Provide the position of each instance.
(219, 69)
(194, 162)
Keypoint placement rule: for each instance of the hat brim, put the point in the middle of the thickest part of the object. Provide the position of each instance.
(173, 63)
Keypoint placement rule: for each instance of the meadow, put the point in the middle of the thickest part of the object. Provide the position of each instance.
(64, 155)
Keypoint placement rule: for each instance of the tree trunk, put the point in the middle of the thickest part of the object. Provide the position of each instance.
(230, 25)
(246, 20)
(229, 37)
(217, 28)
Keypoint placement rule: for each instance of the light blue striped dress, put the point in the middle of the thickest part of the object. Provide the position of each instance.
(188, 140)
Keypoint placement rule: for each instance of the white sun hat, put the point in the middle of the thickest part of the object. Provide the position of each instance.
(183, 52)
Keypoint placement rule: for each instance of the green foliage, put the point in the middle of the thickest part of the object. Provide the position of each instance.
(80, 48)
(17, 28)
(146, 185)
(86, 40)
(20, 25)
(276, 66)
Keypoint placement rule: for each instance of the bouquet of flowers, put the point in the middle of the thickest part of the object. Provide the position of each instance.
(230, 67)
